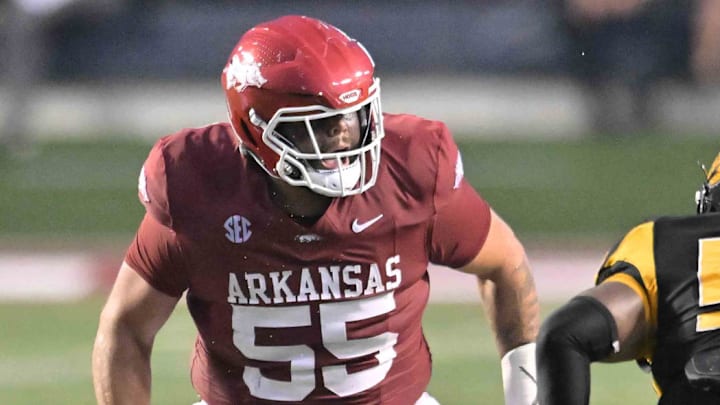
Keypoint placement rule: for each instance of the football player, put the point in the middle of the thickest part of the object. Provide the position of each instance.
(300, 233)
(656, 301)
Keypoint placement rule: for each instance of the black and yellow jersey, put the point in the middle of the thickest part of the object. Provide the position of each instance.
(673, 263)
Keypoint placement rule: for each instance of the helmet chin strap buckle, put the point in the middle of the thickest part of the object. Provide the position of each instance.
(256, 120)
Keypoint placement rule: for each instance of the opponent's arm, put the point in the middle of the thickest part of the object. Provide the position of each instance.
(131, 318)
(510, 301)
(604, 323)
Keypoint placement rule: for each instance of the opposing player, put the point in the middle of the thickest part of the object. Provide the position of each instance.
(301, 232)
(657, 301)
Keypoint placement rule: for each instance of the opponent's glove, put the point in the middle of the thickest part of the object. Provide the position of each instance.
(518, 374)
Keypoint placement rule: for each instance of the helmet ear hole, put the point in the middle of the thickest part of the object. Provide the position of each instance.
(248, 139)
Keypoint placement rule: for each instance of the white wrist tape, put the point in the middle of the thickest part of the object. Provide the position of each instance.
(519, 375)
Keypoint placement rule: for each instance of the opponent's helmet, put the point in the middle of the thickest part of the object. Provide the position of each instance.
(707, 197)
(297, 69)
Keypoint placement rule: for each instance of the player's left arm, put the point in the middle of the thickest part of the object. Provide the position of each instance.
(468, 235)
(506, 286)
(511, 304)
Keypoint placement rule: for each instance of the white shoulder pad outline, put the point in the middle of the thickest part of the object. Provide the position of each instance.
(142, 186)
(459, 171)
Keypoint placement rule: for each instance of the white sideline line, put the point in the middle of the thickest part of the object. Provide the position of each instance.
(70, 276)
(46, 277)
(558, 276)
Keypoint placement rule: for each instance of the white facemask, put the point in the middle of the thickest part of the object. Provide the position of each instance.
(293, 165)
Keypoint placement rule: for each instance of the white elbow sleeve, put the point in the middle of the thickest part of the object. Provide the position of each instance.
(518, 374)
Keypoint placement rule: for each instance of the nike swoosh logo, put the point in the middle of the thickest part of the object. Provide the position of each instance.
(358, 227)
(527, 373)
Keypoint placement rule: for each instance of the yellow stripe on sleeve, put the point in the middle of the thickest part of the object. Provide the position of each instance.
(713, 175)
(636, 248)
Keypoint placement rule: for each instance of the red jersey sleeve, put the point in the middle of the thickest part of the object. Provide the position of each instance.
(462, 217)
(156, 256)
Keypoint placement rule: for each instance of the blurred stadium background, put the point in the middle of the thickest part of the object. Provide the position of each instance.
(576, 118)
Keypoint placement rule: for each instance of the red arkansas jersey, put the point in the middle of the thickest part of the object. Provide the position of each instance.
(288, 313)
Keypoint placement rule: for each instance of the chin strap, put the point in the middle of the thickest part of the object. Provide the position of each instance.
(518, 374)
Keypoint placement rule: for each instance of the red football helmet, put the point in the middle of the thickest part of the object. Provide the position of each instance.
(297, 69)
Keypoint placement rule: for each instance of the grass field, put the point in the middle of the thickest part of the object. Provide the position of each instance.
(45, 358)
(600, 186)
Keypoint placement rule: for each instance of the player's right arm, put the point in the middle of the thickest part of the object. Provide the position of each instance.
(131, 318)
(149, 284)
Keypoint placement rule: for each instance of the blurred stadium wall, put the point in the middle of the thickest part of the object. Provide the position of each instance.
(491, 68)
(487, 68)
